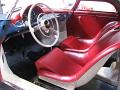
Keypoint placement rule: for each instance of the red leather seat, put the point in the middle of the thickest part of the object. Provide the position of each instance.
(71, 66)
(84, 45)
(54, 65)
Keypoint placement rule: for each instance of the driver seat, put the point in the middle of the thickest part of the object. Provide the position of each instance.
(73, 69)
(83, 45)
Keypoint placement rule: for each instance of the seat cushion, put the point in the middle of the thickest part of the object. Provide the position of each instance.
(57, 62)
(79, 44)
(71, 42)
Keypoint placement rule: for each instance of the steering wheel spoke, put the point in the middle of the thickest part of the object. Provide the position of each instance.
(35, 28)
(55, 34)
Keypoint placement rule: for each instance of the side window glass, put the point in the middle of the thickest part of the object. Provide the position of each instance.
(96, 6)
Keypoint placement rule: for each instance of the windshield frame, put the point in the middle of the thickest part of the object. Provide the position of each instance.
(68, 7)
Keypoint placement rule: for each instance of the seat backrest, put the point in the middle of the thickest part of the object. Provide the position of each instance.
(106, 44)
(108, 27)
(92, 27)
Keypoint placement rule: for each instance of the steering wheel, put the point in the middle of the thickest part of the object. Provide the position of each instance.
(43, 25)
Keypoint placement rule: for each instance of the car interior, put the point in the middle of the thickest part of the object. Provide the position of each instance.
(61, 46)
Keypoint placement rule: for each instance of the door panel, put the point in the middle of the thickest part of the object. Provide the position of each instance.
(86, 24)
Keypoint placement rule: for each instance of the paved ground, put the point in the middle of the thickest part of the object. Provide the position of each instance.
(5, 87)
(97, 85)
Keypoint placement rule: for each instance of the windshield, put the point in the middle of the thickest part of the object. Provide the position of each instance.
(55, 4)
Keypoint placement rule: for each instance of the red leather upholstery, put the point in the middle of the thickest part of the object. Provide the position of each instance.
(70, 66)
(56, 61)
(79, 44)
(90, 25)
(84, 45)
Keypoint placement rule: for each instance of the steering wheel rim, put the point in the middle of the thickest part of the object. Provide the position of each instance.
(32, 29)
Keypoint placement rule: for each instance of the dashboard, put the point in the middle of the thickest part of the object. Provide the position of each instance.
(37, 11)
(21, 23)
